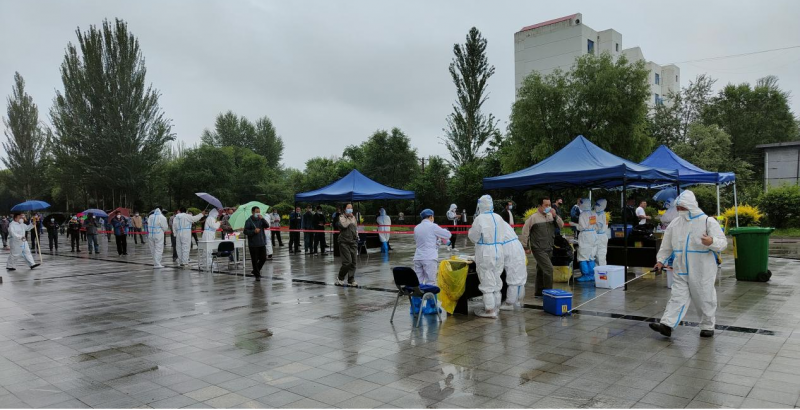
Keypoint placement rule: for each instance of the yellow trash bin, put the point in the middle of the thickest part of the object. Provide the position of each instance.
(452, 280)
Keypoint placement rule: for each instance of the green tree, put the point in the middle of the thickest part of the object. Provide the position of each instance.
(109, 128)
(468, 128)
(669, 123)
(231, 130)
(430, 186)
(386, 157)
(600, 98)
(709, 147)
(752, 116)
(25, 149)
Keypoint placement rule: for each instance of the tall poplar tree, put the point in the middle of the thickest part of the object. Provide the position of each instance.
(25, 148)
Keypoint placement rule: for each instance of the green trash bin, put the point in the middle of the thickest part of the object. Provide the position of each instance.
(751, 253)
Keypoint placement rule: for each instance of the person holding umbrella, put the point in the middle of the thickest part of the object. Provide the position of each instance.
(91, 226)
(19, 243)
(255, 228)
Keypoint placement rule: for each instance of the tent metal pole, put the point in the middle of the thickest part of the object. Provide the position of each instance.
(718, 198)
(735, 204)
(625, 229)
(415, 212)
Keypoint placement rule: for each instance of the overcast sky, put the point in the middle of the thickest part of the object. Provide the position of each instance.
(329, 73)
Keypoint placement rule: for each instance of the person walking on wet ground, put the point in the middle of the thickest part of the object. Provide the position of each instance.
(91, 225)
(256, 228)
(52, 234)
(348, 246)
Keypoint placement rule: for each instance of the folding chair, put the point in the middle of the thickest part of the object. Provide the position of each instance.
(408, 285)
(224, 249)
(362, 244)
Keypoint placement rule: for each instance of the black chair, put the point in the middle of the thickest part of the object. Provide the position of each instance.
(224, 250)
(408, 285)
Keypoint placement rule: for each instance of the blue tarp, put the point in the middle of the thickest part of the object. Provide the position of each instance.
(581, 164)
(688, 173)
(353, 187)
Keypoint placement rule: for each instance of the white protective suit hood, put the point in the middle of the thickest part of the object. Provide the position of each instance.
(383, 212)
(157, 211)
(586, 204)
(453, 207)
(600, 205)
(687, 200)
(485, 204)
(213, 213)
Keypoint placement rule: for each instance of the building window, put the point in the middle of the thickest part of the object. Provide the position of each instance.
(617, 46)
(590, 46)
(658, 79)
(676, 78)
(658, 100)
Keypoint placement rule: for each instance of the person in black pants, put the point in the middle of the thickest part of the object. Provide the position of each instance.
(295, 218)
(52, 234)
(256, 228)
(120, 226)
(74, 231)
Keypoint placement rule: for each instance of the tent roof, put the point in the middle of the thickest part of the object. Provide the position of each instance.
(353, 187)
(688, 173)
(581, 164)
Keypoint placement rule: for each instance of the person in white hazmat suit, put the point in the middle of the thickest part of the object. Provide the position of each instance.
(156, 226)
(601, 231)
(587, 239)
(670, 212)
(428, 235)
(384, 225)
(486, 233)
(210, 232)
(18, 243)
(695, 240)
(453, 216)
(516, 272)
(182, 229)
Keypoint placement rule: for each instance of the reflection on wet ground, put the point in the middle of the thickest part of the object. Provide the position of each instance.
(108, 331)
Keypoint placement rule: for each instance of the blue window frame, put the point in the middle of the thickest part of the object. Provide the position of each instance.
(590, 46)
(658, 79)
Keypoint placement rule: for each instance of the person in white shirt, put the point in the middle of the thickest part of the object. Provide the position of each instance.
(427, 236)
(640, 213)
(452, 215)
(275, 222)
(19, 244)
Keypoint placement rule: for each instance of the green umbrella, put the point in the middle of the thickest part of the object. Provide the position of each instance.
(245, 211)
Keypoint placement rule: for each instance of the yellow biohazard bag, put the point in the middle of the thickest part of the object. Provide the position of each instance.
(452, 280)
(561, 274)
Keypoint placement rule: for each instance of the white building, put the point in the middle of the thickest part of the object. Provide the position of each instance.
(556, 43)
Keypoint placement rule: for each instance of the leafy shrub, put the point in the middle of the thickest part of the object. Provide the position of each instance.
(283, 209)
(782, 206)
(748, 216)
(194, 211)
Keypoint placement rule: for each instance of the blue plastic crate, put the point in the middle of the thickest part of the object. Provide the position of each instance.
(618, 232)
(557, 302)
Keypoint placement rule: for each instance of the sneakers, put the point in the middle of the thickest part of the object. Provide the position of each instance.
(258, 277)
(34, 266)
(491, 314)
(706, 333)
(661, 328)
(339, 282)
(11, 269)
(353, 284)
(158, 266)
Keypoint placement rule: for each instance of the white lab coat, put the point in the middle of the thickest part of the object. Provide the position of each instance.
(19, 246)
(182, 229)
(694, 266)
(384, 225)
(587, 236)
(486, 234)
(428, 236)
(156, 226)
(601, 231)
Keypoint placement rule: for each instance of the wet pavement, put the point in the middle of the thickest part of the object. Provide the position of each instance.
(108, 331)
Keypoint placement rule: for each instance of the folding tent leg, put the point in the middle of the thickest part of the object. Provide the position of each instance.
(735, 205)
(718, 214)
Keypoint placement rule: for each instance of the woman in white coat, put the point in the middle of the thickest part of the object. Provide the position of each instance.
(586, 240)
(384, 225)
(601, 231)
(210, 232)
(156, 226)
(695, 240)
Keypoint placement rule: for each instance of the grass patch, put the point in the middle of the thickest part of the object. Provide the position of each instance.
(787, 232)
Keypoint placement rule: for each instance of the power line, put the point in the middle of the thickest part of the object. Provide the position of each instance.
(736, 55)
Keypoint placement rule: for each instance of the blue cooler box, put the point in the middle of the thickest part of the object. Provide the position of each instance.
(557, 302)
(618, 232)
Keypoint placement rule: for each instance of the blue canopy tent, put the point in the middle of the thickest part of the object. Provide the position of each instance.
(582, 164)
(690, 174)
(353, 187)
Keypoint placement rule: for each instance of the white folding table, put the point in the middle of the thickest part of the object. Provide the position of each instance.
(206, 248)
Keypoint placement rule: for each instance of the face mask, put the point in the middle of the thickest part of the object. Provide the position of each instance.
(510, 207)
(257, 214)
(52, 220)
(547, 210)
(349, 211)
(684, 214)
(119, 216)
(597, 209)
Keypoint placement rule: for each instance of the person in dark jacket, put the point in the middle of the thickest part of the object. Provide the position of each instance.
(4, 222)
(538, 236)
(120, 227)
(295, 222)
(348, 246)
(318, 222)
(507, 213)
(91, 224)
(308, 223)
(256, 228)
(52, 233)
(74, 232)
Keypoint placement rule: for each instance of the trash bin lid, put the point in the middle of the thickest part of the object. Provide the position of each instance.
(750, 230)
